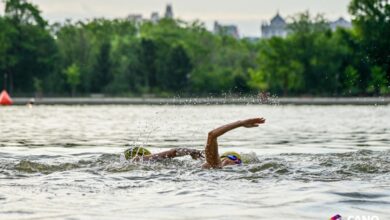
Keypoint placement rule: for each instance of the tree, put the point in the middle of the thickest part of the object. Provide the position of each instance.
(310, 39)
(378, 83)
(100, 48)
(6, 34)
(147, 63)
(175, 71)
(31, 51)
(279, 70)
(371, 18)
(72, 74)
(22, 12)
(354, 73)
(102, 69)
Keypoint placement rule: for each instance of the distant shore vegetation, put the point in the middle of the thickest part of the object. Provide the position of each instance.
(123, 57)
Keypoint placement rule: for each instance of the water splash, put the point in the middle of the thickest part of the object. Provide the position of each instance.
(305, 167)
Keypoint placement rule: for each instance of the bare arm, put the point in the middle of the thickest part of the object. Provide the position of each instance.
(172, 153)
(211, 150)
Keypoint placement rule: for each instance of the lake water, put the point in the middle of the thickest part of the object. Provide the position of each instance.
(306, 162)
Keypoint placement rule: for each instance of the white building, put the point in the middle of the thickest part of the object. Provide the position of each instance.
(341, 22)
(154, 18)
(169, 12)
(228, 30)
(277, 27)
(137, 18)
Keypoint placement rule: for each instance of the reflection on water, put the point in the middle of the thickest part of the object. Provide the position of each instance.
(306, 162)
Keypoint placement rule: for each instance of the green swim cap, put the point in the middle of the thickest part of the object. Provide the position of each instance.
(136, 151)
(231, 153)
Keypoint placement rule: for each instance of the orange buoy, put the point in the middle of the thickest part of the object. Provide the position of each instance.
(5, 99)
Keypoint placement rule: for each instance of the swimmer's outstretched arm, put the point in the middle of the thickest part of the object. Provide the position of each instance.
(211, 150)
(176, 152)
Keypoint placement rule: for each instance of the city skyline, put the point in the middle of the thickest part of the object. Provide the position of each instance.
(247, 15)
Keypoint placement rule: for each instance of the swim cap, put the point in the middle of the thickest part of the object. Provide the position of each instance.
(231, 153)
(136, 151)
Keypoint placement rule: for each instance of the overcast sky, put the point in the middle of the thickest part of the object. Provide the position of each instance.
(246, 14)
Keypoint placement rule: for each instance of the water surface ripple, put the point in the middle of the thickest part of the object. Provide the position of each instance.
(306, 162)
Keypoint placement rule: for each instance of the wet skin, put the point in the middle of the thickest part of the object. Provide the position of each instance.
(213, 159)
(211, 150)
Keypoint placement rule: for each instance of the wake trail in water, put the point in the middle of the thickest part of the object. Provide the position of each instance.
(362, 164)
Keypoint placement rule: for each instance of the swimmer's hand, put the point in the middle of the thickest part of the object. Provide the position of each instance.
(195, 154)
(253, 122)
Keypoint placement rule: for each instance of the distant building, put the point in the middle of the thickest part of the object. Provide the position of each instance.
(137, 18)
(341, 22)
(228, 30)
(277, 27)
(154, 18)
(169, 12)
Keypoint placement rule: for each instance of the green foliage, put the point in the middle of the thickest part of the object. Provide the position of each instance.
(278, 67)
(316, 52)
(6, 33)
(122, 57)
(305, 25)
(102, 69)
(310, 60)
(351, 80)
(37, 85)
(29, 50)
(371, 19)
(378, 83)
(175, 71)
(23, 13)
(72, 74)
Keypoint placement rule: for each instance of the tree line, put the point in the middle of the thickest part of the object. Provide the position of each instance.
(124, 57)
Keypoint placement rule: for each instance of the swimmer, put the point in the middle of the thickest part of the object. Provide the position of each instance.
(31, 102)
(143, 154)
(213, 160)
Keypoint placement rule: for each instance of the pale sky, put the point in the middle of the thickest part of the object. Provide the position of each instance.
(246, 14)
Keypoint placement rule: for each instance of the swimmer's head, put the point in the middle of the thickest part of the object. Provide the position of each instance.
(230, 158)
(136, 151)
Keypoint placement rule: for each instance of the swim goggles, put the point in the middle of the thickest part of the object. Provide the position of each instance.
(234, 158)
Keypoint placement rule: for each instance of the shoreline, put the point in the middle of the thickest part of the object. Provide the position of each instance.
(205, 101)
